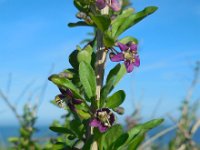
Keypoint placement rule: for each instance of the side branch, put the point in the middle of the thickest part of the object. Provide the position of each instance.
(10, 106)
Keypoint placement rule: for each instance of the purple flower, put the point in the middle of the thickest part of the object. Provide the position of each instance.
(68, 98)
(113, 4)
(128, 54)
(103, 119)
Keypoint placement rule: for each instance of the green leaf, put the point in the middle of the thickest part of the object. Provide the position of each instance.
(128, 39)
(85, 54)
(108, 40)
(152, 124)
(73, 59)
(116, 99)
(61, 130)
(13, 139)
(137, 134)
(136, 141)
(117, 22)
(88, 144)
(133, 133)
(114, 76)
(79, 23)
(89, 49)
(88, 80)
(81, 5)
(82, 114)
(135, 18)
(77, 128)
(65, 84)
(111, 136)
(60, 145)
(117, 73)
(120, 141)
(101, 21)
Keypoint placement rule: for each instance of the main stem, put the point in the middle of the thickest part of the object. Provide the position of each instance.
(99, 67)
(100, 59)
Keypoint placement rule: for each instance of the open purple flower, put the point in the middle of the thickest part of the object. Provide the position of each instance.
(68, 97)
(113, 4)
(128, 54)
(104, 119)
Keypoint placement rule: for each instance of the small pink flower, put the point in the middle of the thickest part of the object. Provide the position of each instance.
(69, 99)
(128, 54)
(104, 119)
(113, 4)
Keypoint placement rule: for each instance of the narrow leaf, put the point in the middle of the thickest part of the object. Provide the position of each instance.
(116, 99)
(152, 124)
(117, 22)
(79, 23)
(88, 80)
(61, 130)
(111, 136)
(135, 18)
(108, 40)
(65, 84)
(114, 76)
(102, 22)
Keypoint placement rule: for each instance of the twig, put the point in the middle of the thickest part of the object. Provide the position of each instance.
(191, 89)
(10, 106)
(183, 131)
(24, 91)
(155, 137)
(195, 127)
(9, 82)
(44, 87)
(156, 108)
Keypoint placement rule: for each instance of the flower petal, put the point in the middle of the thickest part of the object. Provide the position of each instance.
(129, 66)
(112, 118)
(60, 96)
(71, 107)
(115, 5)
(133, 47)
(69, 93)
(137, 61)
(100, 4)
(104, 109)
(122, 47)
(76, 101)
(102, 128)
(117, 57)
(95, 123)
(62, 91)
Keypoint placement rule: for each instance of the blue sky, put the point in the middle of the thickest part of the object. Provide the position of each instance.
(34, 35)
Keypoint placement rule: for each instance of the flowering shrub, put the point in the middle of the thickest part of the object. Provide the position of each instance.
(83, 92)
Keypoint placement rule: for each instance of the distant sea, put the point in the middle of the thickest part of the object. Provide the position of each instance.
(44, 132)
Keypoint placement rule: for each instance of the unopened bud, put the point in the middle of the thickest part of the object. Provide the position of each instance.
(119, 110)
(81, 15)
(67, 75)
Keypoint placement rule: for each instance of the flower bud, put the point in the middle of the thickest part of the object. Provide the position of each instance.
(67, 75)
(81, 15)
(119, 110)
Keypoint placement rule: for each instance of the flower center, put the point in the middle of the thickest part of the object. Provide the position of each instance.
(104, 117)
(129, 55)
